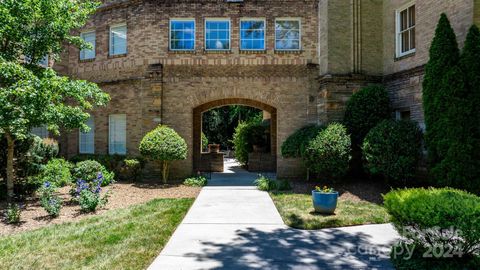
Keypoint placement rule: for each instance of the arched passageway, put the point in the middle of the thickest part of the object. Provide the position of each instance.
(197, 125)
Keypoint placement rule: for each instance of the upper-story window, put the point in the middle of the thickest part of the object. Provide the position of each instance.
(252, 34)
(287, 34)
(118, 39)
(405, 30)
(88, 37)
(217, 34)
(182, 34)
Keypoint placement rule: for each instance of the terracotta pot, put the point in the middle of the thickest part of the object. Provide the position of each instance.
(214, 148)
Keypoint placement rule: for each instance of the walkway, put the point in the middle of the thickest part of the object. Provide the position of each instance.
(232, 225)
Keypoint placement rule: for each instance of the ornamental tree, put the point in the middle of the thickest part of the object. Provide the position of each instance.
(32, 96)
(444, 54)
(165, 145)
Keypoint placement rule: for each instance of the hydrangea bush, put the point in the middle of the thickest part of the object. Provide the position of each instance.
(49, 201)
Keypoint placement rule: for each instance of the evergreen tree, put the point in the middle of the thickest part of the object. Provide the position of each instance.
(444, 54)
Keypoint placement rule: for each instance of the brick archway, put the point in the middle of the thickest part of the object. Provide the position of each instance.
(197, 123)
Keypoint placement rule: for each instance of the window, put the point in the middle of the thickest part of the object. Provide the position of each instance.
(402, 115)
(118, 39)
(182, 35)
(88, 37)
(87, 139)
(41, 132)
(117, 126)
(217, 34)
(405, 31)
(287, 34)
(252, 34)
(44, 61)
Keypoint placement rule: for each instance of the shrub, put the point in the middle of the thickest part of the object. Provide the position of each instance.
(444, 55)
(88, 194)
(132, 168)
(393, 149)
(13, 213)
(329, 153)
(163, 144)
(89, 170)
(57, 172)
(246, 135)
(283, 185)
(364, 110)
(49, 201)
(295, 144)
(265, 184)
(197, 181)
(427, 219)
(204, 141)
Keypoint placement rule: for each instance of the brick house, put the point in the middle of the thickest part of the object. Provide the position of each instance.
(167, 61)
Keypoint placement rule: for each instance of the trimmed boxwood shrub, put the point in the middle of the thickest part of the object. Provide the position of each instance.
(88, 171)
(165, 145)
(329, 153)
(124, 167)
(442, 220)
(393, 149)
(56, 172)
(364, 110)
(295, 144)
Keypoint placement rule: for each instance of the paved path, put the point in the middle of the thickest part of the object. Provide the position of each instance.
(232, 225)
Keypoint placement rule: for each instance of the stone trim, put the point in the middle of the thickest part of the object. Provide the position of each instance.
(405, 73)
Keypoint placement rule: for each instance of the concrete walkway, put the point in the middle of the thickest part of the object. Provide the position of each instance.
(231, 225)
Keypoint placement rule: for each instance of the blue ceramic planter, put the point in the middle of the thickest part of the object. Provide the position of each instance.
(324, 203)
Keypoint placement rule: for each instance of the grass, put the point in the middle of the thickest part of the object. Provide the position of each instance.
(297, 212)
(127, 238)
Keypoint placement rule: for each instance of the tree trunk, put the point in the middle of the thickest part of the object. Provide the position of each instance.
(165, 171)
(10, 172)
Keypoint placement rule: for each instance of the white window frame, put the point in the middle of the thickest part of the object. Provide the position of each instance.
(398, 32)
(299, 20)
(264, 33)
(110, 34)
(94, 49)
(92, 133)
(229, 32)
(111, 149)
(194, 33)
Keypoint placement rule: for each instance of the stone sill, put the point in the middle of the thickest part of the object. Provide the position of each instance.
(396, 59)
(217, 51)
(86, 60)
(288, 52)
(117, 56)
(182, 51)
(253, 51)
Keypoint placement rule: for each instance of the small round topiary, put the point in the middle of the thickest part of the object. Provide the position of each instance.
(393, 149)
(88, 170)
(329, 153)
(57, 172)
(163, 144)
(365, 109)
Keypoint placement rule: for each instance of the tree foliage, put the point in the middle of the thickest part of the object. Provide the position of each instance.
(32, 96)
(392, 149)
(365, 109)
(165, 145)
(296, 143)
(329, 153)
(248, 134)
(451, 98)
(444, 54)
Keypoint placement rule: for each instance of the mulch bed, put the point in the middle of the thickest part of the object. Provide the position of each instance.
(356, 190)
(122, 195)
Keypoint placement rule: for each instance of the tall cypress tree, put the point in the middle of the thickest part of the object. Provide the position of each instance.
(444, 54)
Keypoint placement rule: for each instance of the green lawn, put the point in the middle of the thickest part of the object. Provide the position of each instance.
(120, 239)
(297, 212)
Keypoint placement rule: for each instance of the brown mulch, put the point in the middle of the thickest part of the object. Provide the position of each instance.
(354, 190)
(122, 195)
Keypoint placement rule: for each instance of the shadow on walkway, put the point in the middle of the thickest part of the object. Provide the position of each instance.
(254, 248)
